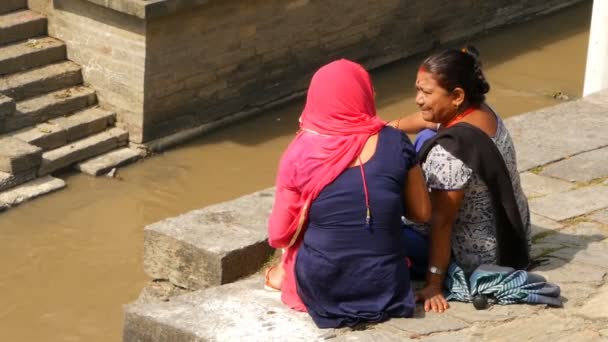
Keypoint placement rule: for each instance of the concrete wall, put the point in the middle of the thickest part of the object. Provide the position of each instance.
(194, 64)
(110, 47)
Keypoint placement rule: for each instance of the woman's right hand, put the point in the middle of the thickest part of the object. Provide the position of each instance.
(433, 298)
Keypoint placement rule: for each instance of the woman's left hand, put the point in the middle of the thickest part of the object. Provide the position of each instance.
(433, 299)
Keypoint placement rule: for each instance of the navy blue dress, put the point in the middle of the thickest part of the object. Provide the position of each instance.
(346, 273)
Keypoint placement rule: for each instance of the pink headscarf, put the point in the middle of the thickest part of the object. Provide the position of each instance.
(339, 117)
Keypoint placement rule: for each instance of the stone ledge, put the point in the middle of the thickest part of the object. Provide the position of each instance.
(210, 246)
(146, 9)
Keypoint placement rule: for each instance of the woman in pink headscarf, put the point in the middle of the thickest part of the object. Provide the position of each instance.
(343, 184)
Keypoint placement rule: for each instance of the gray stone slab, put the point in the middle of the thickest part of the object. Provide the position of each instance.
(21, 25)
(17, 156)
(81, 150)
(11, 5)
(105, 162)
(496, 313)
(7, 107)
(234, 312)
(581, 127)
(543, 226)
(561, 271)
(426, 323)
(570, 204)
(536, 186)
(579, 234)
(551, 325)
(210, 246)
(574, 295)
(30, 190)
(41, 80)
(47, 136)
(600, 216)
(86, 122)
(581, 168)
(594, 254)
(29, 54)
(8, 180)
(48, 106)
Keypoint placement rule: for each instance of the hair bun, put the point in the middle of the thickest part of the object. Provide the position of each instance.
(471, 51)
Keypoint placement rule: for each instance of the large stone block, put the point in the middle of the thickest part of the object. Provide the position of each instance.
(536, 186)
(41, 80)
(582, 168)
(579, 129)
(211, 246)
(33, 53)
(81, 150)
(21, 25)
(235, 312)
(565, 205)
(17, 156)
(30, 190)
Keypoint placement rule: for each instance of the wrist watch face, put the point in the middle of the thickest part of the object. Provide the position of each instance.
(434, 270)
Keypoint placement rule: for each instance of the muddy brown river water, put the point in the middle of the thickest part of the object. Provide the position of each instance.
(70, 260)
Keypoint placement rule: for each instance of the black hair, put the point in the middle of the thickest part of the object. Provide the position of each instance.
(459, 68)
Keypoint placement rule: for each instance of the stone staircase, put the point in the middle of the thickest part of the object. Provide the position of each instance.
(49, 120)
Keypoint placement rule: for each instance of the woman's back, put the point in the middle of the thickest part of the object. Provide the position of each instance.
(345, 271)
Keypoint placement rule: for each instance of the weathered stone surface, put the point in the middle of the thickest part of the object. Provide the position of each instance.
(536, 186)
(8, 180)
(580, 234)
(20, 25)
(560, 272)
(11, 5)
(496, 313)
(426, 323)
(160, 291)
(594, 254)
(377, 333)
(47, 136)
(82, 149)
(84, 123)
(105, 162)
(576, 294)
(48, 106)
(579, 129)
(573, 203)
(7, 107)
(582, 168)
(542, 225)
(17, 156)
(555, 327)
(30, 54)
(29, 190)
(233, 312)
(210, 246)
(41, 80)
(600, 216)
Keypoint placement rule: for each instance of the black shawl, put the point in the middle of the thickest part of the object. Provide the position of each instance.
(475, 149)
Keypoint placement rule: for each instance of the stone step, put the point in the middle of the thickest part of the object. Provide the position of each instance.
(41, 80)
(106, 162)
(12, 5)
(21, 25)
(83, 149)
(60, 131)
(48, 106)
(7, 108)
(18, 157)
(30, 54)
(210, 246)
(8, 180)
(30, 190)
(241, 311)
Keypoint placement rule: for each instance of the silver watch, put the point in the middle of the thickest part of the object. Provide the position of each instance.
(435, 270)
